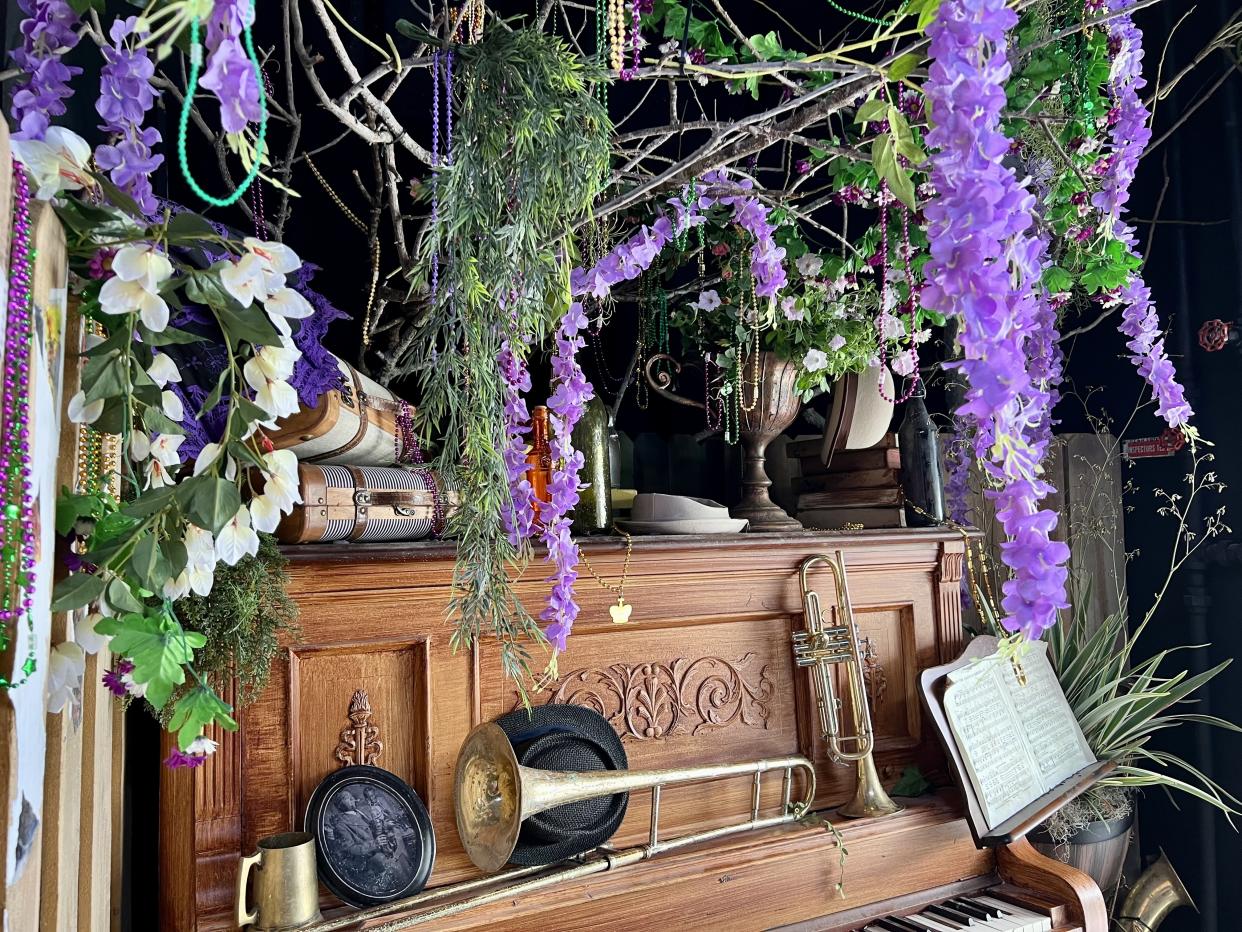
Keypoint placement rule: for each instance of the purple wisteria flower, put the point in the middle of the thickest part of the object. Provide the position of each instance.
(985, 268)
(125, 97)
(570, 395)
(1128, 138)
(48, 32)
(230, 74)
(518, 514)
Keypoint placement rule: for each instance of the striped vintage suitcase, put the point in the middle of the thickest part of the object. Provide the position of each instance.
(367, 503)
(356, 423)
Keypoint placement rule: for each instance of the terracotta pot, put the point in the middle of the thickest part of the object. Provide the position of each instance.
(1098, 849)
(774, 410)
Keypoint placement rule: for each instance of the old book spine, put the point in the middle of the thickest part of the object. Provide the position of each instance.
(861, 479)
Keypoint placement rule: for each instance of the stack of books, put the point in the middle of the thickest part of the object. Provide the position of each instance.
(857, 487)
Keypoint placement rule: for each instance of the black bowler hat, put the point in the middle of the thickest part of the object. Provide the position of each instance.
(568, 738)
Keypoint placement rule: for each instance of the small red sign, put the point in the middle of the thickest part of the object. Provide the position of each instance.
(1166, 444)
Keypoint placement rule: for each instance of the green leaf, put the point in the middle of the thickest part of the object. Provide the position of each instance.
(902, 66)
(217, 391)
(112, 420)
(70, 506)
(928, 12)
(157, 646)
(149, 563)
(251, 325)
(120, 597)
(195, 710)
(871, 111)
(151, 501)
(76, 591)
(168, 336)
(104, 376)
(188, 226)
(157, 422)
(214, 503)
(912, 783)
(116, 196)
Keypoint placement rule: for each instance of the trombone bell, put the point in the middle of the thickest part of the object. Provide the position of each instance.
(818, 648)
(488, 790)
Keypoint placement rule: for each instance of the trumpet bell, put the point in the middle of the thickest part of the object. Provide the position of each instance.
(488, 788)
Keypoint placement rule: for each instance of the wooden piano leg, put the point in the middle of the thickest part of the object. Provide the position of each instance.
(1021, 865)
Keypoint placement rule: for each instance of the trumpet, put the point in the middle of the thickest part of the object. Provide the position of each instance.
(821, 646)
(494, 795)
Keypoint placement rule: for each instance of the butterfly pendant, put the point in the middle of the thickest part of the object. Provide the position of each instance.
(620, 612)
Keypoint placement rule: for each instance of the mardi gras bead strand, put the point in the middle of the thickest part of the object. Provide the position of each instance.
(18, 520)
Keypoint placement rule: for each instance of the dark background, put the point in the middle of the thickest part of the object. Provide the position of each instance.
(1194, 269)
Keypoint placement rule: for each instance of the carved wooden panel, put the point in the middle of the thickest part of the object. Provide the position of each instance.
(324, 684)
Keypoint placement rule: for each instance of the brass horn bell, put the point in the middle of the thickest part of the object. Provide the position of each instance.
(1156, 893)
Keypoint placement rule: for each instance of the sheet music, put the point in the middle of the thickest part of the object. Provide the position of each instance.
(1017, 740)
(1056, 740)
(989, 736)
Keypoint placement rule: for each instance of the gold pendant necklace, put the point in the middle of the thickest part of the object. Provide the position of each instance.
(620, 612)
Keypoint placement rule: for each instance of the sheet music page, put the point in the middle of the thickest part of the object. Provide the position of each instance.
(990, 736)
(1057, 743)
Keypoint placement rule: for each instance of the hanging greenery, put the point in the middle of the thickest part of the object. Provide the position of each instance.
(242, 619)
(528, 156)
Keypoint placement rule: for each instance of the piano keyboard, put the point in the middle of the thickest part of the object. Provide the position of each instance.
(983, 912)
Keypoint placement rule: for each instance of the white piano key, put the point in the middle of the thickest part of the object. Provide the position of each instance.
(930, 924)
(1034, 922)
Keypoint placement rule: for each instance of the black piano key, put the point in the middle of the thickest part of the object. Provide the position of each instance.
(984, 910)
(947, 917)
(970, 909)
(891, 924)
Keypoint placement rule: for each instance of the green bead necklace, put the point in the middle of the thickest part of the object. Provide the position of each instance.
(196, 65)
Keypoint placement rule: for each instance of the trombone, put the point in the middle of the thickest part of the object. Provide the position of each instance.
(494, 794)
(821, 646)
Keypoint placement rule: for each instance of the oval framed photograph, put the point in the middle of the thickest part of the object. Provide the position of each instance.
(373, 837)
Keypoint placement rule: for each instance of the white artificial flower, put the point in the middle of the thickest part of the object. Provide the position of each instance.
(164, 448)
(142, 264)
(836, 342)
(83, 412)
(174, 410)
(905, 363)
(208, 455)
(277, 398)
(814, 360)
(789, 304)
(277, 257)
(891, 327)
(270, 362)
(810, 264)
(137, 690)
(157, 475)
(237, 539)
(265, 512)
(285, 302)
(202, 746)
(202, 578)
(921, 336)
(245, 279)
(708, 300)
(179, 587)
(86, 637)
(163, 370)
(66, 666)
(283, 463)
(198, 545)
(139, 446)
(118, 296)
(57, 162)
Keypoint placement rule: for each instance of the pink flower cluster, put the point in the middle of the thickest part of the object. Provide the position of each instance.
(985, 269)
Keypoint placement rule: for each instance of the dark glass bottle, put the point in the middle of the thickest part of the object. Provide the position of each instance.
(921, 478)
(593, 513)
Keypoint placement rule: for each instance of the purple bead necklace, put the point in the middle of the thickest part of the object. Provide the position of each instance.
(410, 453)
(17, 556)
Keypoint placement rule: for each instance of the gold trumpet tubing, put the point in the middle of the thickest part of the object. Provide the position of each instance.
(497, 887)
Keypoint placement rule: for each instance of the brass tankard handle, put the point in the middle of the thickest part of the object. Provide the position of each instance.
(245, 916)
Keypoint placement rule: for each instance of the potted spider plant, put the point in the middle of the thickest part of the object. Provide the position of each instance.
(1121, 703)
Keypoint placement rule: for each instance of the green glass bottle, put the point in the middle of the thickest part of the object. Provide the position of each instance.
(594, 512)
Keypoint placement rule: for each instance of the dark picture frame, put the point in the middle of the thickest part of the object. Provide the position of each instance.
(373, 837)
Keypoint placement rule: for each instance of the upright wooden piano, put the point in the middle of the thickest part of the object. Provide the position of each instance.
(702, 674)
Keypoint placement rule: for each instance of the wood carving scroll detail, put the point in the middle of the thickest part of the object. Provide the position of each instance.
(652, 700)
(360, 743)
(875, 677)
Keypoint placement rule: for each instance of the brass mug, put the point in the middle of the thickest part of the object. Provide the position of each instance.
(286, 886)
